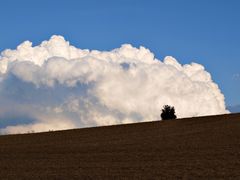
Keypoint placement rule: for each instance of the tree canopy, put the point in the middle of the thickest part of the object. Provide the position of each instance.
(168, 112)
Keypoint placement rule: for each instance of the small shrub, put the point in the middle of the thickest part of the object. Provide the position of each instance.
(168, 112)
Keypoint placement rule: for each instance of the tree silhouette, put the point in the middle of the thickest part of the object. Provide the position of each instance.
(168, 112)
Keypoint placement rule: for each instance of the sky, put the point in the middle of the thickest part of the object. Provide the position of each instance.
(206, 31)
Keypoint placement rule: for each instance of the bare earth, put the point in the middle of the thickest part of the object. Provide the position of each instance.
(194, 148)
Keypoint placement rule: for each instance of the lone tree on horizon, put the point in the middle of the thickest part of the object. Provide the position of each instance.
(168, 112)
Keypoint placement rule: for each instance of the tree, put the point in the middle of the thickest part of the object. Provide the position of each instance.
(168, 112)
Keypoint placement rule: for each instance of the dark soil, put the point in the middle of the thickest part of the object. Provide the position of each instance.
(193, 148)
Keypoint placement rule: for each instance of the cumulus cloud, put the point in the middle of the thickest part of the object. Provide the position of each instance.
(58, 86)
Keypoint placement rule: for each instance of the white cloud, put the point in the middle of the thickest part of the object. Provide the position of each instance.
(89, 88)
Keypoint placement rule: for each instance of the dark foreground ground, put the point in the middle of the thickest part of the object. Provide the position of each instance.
(197, 148)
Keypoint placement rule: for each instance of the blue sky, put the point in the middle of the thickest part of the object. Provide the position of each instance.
(206, 31)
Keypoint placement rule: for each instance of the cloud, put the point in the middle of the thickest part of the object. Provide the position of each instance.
(58, 86)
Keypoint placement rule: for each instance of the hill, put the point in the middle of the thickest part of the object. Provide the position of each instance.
(192, 148)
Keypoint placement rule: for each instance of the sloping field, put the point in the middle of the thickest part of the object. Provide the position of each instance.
(194, 148)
